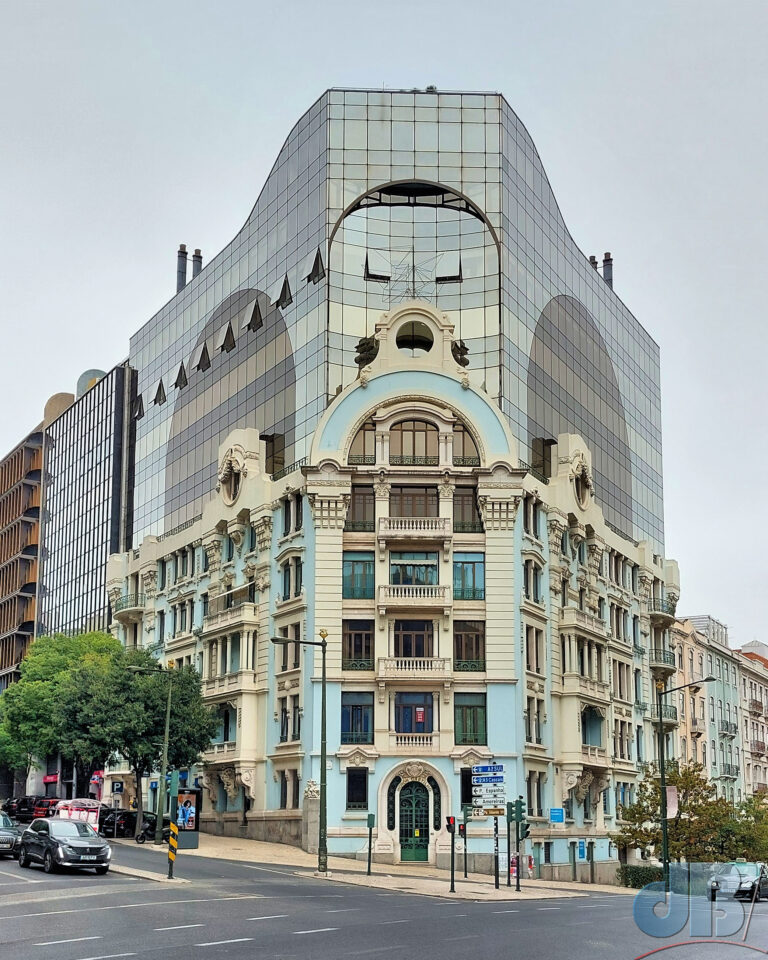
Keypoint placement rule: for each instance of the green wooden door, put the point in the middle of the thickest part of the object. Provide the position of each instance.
(414, 822)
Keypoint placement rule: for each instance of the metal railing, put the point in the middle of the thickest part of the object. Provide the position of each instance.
(469, 666)
(362, 664)
(662, 605)
(360, 526)
(641, 706)
(728, 728)
(357, 736)
(668, 712)
(469, 593)
(757, 746)
(358, 591)
(729, 770)
(468, 526)
(466, 461)
(361, 459)
(533, 471)
(659, 656)
(177, 529)
(289, 469)
(130, 601)
(755, 706)
(637, 649)
(401, 460)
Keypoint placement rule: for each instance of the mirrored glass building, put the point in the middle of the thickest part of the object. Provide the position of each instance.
(378, 197)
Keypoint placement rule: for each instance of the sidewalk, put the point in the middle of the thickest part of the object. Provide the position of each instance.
(415, 878)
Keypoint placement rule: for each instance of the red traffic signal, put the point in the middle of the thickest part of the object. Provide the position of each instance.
(450, 824)
(462, 830)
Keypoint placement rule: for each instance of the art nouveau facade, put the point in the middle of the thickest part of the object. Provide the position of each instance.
(475, 611)
(753, 670)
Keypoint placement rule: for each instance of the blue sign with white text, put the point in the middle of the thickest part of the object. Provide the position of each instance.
(557, 814)
(487, 779)
(582, 849)
(488, 768)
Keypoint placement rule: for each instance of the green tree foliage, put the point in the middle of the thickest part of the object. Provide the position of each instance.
(705, 828)
(53, 687)
(136, 704)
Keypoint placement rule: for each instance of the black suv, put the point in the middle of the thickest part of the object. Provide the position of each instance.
(64, 843)
(23, 808)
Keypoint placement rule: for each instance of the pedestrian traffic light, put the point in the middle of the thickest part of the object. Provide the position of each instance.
(462, 830)
(450, 824)
(525, 829)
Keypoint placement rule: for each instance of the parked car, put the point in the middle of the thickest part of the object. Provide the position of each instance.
(23, 809)
(59, 843)
(10, 837)
(46, 807)
(740, 879)
(122, 823)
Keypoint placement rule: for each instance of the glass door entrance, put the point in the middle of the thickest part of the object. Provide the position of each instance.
(414, 822)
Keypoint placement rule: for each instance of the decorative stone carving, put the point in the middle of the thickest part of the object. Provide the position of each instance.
(413, 771)
(555, 530)
(213, 552)
(498, 513)
(582, 785)
(149, 583)
(312, 790)
(263, 527)
(247, 779)
(446, 487)
(329, 511)
(229, 780)
(381, 486)
(232, 471)
(211, 785)
(262, 583)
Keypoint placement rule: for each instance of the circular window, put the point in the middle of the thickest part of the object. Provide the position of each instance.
(414, 338)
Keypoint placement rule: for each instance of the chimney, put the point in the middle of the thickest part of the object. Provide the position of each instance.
(181, 267)
(593, 261)
(608, 270)
(197, 263)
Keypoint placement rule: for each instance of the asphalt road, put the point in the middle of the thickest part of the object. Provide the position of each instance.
(241, 911)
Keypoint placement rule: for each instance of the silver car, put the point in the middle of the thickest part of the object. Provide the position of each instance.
(740, 879)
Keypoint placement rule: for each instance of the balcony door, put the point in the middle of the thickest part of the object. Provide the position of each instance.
(414, 638)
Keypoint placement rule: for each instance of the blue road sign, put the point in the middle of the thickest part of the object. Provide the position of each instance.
(492, 779)
(582, 849)
(488, 768)
(557, 815)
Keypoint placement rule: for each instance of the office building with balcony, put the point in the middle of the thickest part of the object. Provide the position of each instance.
(408, 241)
(710, 714)
(476, 612)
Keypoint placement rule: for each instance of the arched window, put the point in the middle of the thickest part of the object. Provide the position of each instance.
(363, 449)
(464, 448)
(413, 442)
(437, 819)
(391, 798)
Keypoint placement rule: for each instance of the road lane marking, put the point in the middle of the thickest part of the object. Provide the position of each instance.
(274, 916)
(52, 943)
(126, 906)
(342, 910)
(181, 926)
(317, 930)
(506, 911)
(218, 943)
(15, 876)
(382, 922)
(110, 956)
(547, 908)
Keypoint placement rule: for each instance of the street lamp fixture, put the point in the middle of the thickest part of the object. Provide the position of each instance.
(164, 764)
(322, 846)
(661, 692)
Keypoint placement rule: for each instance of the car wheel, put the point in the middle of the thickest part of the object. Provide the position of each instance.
(757, 895)
(23, 857)
(102, 870)
(48, 865)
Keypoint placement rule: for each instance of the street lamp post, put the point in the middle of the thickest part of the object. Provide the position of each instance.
(166, 737)
(322, 846)
(661, 692)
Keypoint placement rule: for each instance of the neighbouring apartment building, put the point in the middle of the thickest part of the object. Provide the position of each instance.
(753, 670)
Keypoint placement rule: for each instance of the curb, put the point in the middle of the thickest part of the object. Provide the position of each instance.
(144, 874)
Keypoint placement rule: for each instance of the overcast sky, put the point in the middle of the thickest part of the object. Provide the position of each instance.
(128, 128)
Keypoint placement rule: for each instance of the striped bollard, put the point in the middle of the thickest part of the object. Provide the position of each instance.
(173, 846)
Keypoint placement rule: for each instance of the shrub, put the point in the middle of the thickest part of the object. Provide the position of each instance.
(638, 877)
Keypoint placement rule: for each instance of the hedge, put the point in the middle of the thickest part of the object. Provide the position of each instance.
(638, 877)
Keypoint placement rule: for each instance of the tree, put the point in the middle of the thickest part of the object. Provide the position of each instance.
(59, 684)
(137, 707)
(695, 834)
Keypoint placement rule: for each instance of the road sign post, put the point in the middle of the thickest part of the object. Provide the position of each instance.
(173, 836)
(509, 850)
(467, 810)
(496, 852)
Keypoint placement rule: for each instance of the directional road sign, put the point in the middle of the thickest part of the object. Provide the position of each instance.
(494, 811)
(489, 789)
(488, 768)
(493, 778)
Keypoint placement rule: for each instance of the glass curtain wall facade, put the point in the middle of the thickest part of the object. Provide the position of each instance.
(83, 451)
(378, 197)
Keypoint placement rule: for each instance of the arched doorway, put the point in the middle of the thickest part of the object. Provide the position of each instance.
(414, 822)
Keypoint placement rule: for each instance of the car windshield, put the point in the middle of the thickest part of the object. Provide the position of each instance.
(742, 869)
(72, 828)
(5, 822)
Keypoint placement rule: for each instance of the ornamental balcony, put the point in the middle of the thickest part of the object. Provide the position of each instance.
(583, 622)
(415, 530)
(239, 681)
(668, 714)
(241, 615)
(697, 727)
(728, 771)
(760, 786)
(362, 663)
(662, 610)
(469, 666)
(594, 756)
(727, 728)
(755, 706)
(414, 668)
(652, 768)
(661, 660)
(413, 743)
(220, 752)
(130, 608)
(573, 684)
(641, 706)
(757, 746)
(401, 596)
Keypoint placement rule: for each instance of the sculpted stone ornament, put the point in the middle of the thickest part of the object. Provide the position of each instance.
(149, 583)
(232, 471)
(247, 778)
(210, 783)
(413, 771)
(229, 780)
(312, 790)
(367, 350)
(381, 486)
(581, 788)
(460, 352)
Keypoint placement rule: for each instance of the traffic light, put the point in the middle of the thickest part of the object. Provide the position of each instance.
(525, 829)
(463, 830)
(519, 810)
(450, 824)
